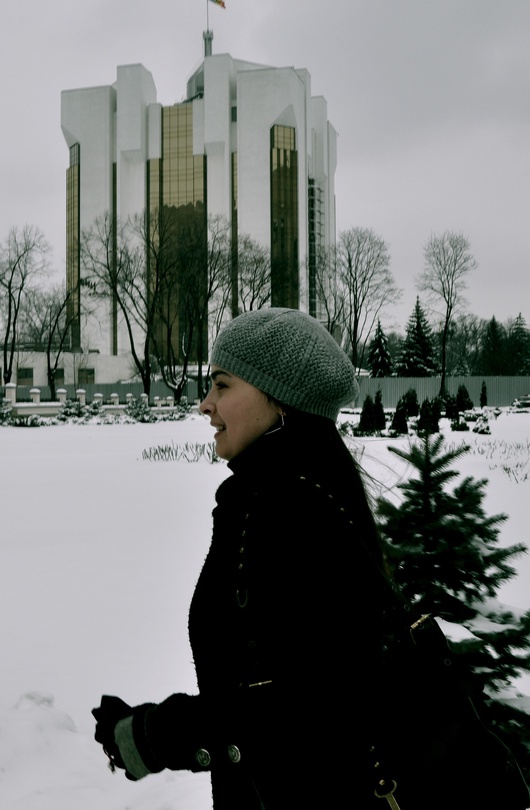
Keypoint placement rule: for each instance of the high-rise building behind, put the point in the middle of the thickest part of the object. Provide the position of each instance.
(249, 145)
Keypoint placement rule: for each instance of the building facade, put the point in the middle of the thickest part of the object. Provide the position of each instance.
(249, 145)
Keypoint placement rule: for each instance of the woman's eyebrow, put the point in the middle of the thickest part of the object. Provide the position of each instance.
(215, 374)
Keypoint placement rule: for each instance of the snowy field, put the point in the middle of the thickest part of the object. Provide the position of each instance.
(100, 553)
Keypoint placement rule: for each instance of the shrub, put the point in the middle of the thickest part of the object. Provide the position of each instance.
(139, 411)
(5, 414)
(75, 411)
(482, 425)
(459, 424)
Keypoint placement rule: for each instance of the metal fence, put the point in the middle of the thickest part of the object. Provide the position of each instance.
(500, 391)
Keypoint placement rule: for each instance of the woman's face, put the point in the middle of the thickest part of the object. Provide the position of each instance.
(240, 412)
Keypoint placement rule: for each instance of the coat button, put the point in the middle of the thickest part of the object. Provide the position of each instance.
(234, 754)
(202, 757)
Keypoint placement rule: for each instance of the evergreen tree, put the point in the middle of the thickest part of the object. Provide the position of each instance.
(410, 403)
(379, 360)
(429, 416)
(417, 356)
(493, 349)
(518, 348)
(379, 411)
(367, 420)
(399, 422)
(451, 407)
(444, 542)
(444, 552)
(463, 400)
(483, 394)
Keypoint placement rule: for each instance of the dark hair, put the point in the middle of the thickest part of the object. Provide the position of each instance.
(317, 444)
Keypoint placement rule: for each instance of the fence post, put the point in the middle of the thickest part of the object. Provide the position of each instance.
(35, 395)
(144, 398)
(115, 399)
(129, 398)
(170, 402)
(61, 395)
(11, 393)
(81, 396)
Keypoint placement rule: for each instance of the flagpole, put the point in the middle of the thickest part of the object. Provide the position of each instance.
(207, 16)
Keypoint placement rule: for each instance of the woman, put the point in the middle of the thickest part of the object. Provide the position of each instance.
(284, 623)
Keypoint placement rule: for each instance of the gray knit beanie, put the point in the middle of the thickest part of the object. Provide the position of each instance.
(290, 356)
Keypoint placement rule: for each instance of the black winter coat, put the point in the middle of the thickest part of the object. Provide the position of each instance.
(285, 632)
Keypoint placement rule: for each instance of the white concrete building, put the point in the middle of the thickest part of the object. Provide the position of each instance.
(250, 144)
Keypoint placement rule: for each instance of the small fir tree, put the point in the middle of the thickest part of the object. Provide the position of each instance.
(410, 403)
(446, 546)
(367, 420)
(429, 416)
(379, 411)
(417, 356)
(463, 400)
(399, 421)
(379, 359)
(451, 407)
(444, 552)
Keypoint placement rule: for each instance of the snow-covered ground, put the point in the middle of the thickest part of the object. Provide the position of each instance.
(100, 551)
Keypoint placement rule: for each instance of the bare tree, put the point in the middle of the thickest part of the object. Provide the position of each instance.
(254, 274)
(363, 266)
(162, 274)
(203, 289)
(45, 326)
(329, 293)
(23, 261)
(464, 344)
(114, 269)
(448, 260)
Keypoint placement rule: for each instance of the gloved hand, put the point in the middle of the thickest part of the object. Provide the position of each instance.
(108, 714)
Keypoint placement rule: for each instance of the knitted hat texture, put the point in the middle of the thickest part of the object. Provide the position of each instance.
(290, 356)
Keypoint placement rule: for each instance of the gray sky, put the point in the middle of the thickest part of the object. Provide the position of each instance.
(430, 99)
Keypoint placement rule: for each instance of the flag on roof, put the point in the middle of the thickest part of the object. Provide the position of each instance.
(219, 3)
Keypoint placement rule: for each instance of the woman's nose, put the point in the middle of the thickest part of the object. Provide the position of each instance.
(205, 407)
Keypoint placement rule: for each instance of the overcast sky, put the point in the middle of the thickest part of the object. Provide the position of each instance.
(430, 99)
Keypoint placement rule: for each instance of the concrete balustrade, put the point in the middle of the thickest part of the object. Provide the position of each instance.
(37, 407)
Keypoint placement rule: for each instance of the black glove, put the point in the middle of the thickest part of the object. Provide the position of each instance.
(108, 714)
